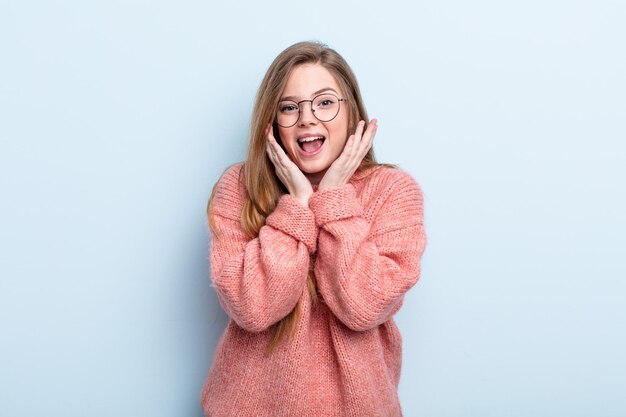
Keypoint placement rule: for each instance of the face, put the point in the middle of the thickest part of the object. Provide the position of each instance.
(311, 144)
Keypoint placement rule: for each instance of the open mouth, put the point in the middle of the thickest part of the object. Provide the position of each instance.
(311, 144)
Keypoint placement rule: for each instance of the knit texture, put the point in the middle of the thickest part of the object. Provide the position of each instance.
(365, 240)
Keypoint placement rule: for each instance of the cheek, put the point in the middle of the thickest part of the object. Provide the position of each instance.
(284, 136)
(341, 133)
(340, 145)
(345, 122)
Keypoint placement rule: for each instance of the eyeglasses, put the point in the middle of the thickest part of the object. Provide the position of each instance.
(325, 107)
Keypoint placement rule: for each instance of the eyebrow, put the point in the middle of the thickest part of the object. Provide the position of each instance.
(294, 98)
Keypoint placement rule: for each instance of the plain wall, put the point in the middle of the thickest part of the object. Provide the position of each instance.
(116, 119)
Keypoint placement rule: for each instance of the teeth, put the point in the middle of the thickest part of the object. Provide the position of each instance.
(311, 139)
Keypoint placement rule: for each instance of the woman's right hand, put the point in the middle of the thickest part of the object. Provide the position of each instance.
(289, 174)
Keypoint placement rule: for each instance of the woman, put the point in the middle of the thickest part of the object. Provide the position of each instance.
(313, 247)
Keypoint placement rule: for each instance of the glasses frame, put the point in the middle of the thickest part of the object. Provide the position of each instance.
(339, 100)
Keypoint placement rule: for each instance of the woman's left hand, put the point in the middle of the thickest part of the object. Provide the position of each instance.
(353, 153)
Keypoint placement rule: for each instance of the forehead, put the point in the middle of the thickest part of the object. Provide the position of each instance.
(306, 79)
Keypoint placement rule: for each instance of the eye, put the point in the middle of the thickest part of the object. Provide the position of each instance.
(326, 101)
(288, 108)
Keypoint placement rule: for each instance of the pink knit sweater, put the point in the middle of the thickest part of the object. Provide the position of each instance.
(365, 240)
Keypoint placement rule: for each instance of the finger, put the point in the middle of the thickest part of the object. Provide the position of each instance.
(270, 153)
(279, 154)
(358, 139)
(371, 129)
(272, 140)
(368, 137)
(348, 149)
(275, 150)
(274, 147)
(281, 158)
(359, 130)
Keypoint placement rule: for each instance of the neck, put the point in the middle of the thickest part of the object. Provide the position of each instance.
(316, 177)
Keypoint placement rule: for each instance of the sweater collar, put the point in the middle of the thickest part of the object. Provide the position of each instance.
(357, 176)
(365, 173)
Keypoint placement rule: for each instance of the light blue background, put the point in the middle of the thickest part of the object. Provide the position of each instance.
(116, 118)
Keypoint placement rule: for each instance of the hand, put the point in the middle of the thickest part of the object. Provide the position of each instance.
(357, 146)
(289, 174)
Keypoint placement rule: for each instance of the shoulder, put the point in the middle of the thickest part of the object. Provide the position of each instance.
(386, 180)
(229, 193)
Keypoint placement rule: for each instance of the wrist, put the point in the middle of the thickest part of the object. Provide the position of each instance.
(303, 199)
(335, 203)
(330, 183)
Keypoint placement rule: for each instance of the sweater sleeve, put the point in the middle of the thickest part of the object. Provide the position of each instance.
(364, 268)
(259, 281)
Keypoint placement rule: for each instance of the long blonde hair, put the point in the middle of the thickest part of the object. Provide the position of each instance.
(262, 184)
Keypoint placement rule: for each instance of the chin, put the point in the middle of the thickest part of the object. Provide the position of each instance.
(314, 167)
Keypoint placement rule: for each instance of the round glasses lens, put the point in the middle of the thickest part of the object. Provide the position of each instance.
(326, 107)
(287, 114)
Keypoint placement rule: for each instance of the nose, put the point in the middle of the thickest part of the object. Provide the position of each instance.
(306, 114)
